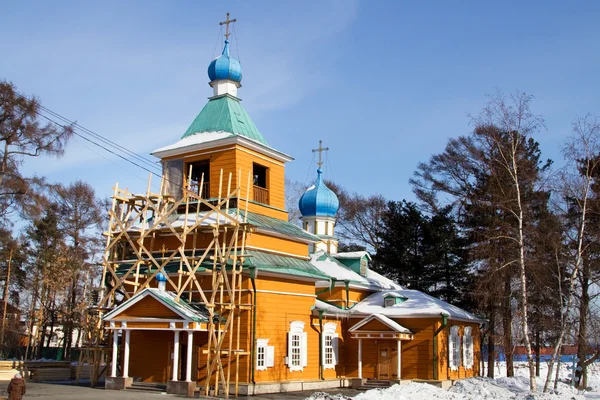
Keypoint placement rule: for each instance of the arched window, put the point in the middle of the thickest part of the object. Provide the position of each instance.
(454, 348)
(468, 348)
(330, 345)
(297, 347)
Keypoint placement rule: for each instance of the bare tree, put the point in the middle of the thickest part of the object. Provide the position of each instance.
(22, 135)
(493, 174)
(582, 156)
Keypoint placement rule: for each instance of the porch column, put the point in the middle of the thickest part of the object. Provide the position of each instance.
(188, 360)
(175, 355)
(115, 352)
(360, 358)
(399, 373)
(126, 354)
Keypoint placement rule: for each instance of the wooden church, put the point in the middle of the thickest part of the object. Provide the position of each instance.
(207, 286)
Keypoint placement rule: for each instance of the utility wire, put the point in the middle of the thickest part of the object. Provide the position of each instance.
(101, 138)
(110, 161)
(99, 145)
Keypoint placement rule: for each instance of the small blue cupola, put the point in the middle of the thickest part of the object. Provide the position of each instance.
(319, 200)
(225, 67)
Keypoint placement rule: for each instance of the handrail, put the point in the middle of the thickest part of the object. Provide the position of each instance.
(261, 195)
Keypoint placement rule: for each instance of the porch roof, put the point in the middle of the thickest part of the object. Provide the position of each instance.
(393, 325)
(188, 312)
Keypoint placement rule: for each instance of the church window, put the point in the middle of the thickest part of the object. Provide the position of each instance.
(297, 347)
(454, 349)
(330, 346)
(261, 192)
(265, 354)
(468, 348)
(200, 178)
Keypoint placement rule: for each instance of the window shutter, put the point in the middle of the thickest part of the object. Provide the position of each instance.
(335, 341)
(304, 349)
(451, 350)
(323, 350)
(289, 352)
(270, 356)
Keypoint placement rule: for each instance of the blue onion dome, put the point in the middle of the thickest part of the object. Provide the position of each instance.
(160, 277)
(319, 200)
(225, 67)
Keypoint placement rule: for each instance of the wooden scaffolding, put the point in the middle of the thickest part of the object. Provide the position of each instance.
(131, 263)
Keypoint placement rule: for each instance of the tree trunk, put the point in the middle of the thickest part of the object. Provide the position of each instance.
(537, 352)
(492, 343)
(582, 336)
(507, 320)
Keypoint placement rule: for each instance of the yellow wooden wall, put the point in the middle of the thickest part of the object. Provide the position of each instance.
(275, 312)
(150, 355)
(444, 368)
(231, 159)
(337, 296)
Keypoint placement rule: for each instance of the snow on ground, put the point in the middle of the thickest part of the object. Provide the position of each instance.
(501, 388)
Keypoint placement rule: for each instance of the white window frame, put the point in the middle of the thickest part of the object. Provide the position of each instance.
(468, 348)
(454, 348)
(297, 357)
(389, 302)
(265, 355)
(330, 341)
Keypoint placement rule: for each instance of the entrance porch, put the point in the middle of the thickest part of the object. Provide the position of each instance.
(383, 338)
(159, 341)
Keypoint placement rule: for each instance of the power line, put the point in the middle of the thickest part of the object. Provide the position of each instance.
(99, 145)
(101, 138)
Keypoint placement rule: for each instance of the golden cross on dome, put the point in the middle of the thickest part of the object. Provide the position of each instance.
(321, 149)
(226, 23)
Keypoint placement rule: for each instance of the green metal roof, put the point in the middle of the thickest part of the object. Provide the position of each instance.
(225, 114)
(268, 262)
(279, 226)
(261, 260)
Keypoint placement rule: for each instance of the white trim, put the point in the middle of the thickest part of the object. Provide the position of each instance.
(393, 325)
(136, 298)
(305, 258)
(297, 335)
(284, 236)
(261, 344)
(454, 348)
(286, 293)
(233, 139)
(329, 331)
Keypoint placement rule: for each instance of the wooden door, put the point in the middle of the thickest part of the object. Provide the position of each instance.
(384, 362)
(387, 362)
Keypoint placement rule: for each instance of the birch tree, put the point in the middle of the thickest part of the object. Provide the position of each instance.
(494, 172)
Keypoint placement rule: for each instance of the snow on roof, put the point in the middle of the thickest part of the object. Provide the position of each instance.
(208, 218)
(329, 265)
(330, 309)
(385, 320)
(192, 140)
(381, 281)
(352, 254)
(418, 304)
(333, 268)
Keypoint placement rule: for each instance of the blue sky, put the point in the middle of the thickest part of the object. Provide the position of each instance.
(383, 83)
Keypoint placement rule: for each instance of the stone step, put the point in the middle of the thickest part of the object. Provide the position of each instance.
(148, 387)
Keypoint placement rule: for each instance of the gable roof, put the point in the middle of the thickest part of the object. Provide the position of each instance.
(182, 308)
(332, 267)
(225, 114)
(393, 325)
(417, 305)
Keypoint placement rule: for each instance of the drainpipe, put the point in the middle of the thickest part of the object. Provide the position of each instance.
(435, 345)
(330, 288)
(321, 366)
(347, 294)
(253, 352)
